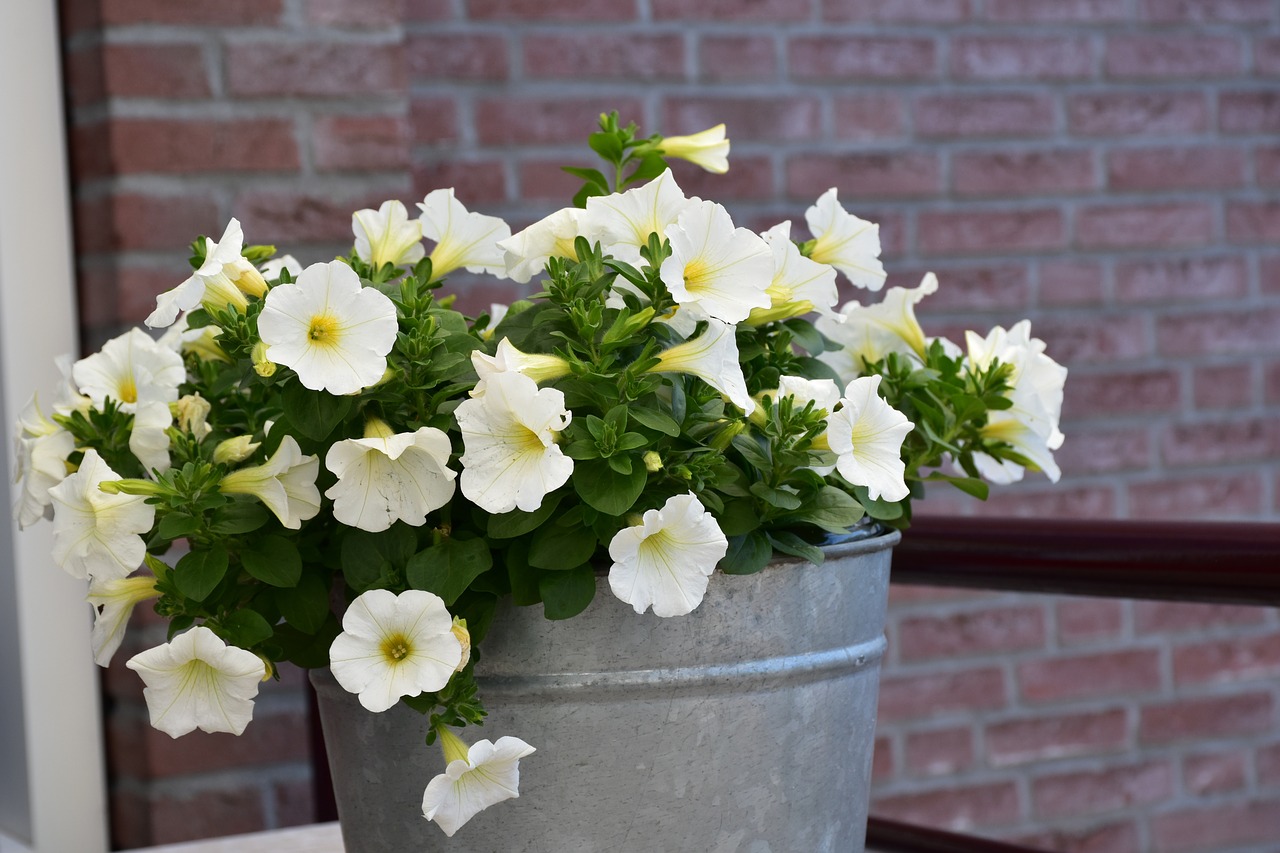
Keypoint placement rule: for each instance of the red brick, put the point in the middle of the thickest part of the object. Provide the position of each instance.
(1208, 11)
(359, 142)
(313, 68)
(535, 121)
(1020, 172)
(294, 802)
(542, 180)
(796, 119)
(183, 146)
(636, 57)
(1214, 773)
(231, 13)
(210, 813)
(984, 115)
(1071, 282)
(1226, 496)
(905, 596)
(938, 752)
(83, 76)
(356, 14)
(1182, 279)
(155, 71)
(859, 59)
(428, 10)
(1152, 57)
(1194, 168)
(1100, 791)
(1215, 443)
(1242, 332)
(1145, 225)
(1041, 499)
(1269, 274)
(882, 760)
(1046, 737)
(552, 10)
(1121, 837)
(905, 697)
(738, 11)
(750, 177)
(1268, 764)
(737, 59)
(434, 120)
(979, 632)
(1128, 672)
(1266, 165)
(1131, 392)
(1273, 383)
(1216, 827)
(1249, 112)
(1136, 113)
(993, 804)
(1103, 451)
(864, 176)
(1088, 620)
(1020, 58)
(1224, 386)
(1237, 659)
(897, 11)
(477, 182)
(90, 152)
(969, 288)
(471, 57)
(1253, 222)
(285, 217)
(125, 294)
(868, 118)
(272, 739)
(990, 231)
(1057, 11)
(130, 221)
(1266, 56)
(1075, 339)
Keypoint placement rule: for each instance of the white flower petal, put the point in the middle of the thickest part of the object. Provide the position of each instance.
(130, 368)
(868, 333)
(622, 222)
(713, 358)
(844, 241)
(113, 602)
(213, 282)
(387, 235)
(526, 254)
(797, 278)
(490, 775)
(286, 484)
(383, 480)
(708, 149)
(724, 271)
(866, 435)
(463, 239)
(667, 559)
(95, 534)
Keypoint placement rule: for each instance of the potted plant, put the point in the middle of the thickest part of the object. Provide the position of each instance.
(332, 467)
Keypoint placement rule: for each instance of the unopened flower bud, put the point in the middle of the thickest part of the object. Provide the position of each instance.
(248, 280)
(193, 412)
(722, 439)
(464, 637)
(652, 461)
(233, 450)
(261, 364)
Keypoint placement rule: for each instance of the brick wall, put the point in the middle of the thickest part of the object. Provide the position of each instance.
(1108, 168)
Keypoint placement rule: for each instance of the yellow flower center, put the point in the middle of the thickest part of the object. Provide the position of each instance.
(324, 327)
(525, 440)
(396, 647)
(694, 272)
(128, 390)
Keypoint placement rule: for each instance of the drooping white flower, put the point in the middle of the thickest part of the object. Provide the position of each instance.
(797, 279)
(223, 279)
(334, 333)
(197, 681)
(537, 366)
(708, 149)
(844, 241)
(96, 534)
(497, 311)
(666, 560)
(130, 368)
(713, 358)
(722, 270)
(42, 448)
(474, 779)
(393, 646)
(509, 433)
(113, 602)
(271, 269)
(527, 252)
(286, 483)
(622, 222)
(463, 239)
(869, 333)
(866, 435)
(149, 436)
(387, 477)
(386, 235)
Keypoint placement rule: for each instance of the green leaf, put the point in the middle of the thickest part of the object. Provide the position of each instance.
(831, 509)
(969, 485)
(747, 554)
(566, 594)
(366, 556)
(557, 548)
(607, 145)
(789, 543)
(781, 498)
(314, 413)
(309, 650)
(603, 488)
(880, 510)
(756, 456)
(739, 518)
(273, 560)
(656, 420)
(508, 525)
(176, 525)
(200, 571)
(246, 628)
(239, 517)
(306, 605)
(803, 332)
(449, 568)
(523, 578)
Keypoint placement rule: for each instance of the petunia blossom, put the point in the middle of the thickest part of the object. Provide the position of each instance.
(149, 436)
(721, 270)
(42, 449)
(197, 681)
(622, 222)
(463, 238)
(844, 241)
(393, 646)
(387, 477)
(130, 368)
(526, 253)
(708, 149)
(866, 435)
(474, 779)
(798, 281)
(334, 333)
(286, 483)
(113, 601)
(868, 333)
(96, 534)
(666, 560)
(537, 366)
(285, 263)
(223, 279)
(713, 358)
(387, 235)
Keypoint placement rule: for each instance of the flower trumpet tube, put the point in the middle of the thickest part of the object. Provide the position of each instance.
(223, 279)
(475, 778)
(286, 483)
(387, 236)
(113, 601)
(463, 239)
(538, 367)
(708, 149)
(713, 358)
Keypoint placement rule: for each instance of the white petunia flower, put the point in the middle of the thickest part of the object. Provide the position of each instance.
(113, 602)
(387, 477)
(463, 239)
(42, 448)
(393, 646)
(271, 269)
(870, 332)
(149, 436)
(721, 270)
(866, 435)
(193, 415)
(667, 559)
(474, 779)
(823, 393)
(197, 681)
(130, 368)
(708, 149)
(334, 333)
(95, 534)
(286, 483)
(497, 311)
(509, 433)
(713, 358)
(223, 279)
(797, 279)
(844, 241)
(526, 253)
(538, 367)
(202, 342)
(622, 222)
(386, 235)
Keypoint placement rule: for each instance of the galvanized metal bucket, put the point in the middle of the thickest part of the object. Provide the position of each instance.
(745, 727)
